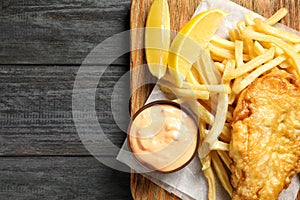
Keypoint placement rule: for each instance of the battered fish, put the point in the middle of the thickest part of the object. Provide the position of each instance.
(265, 143)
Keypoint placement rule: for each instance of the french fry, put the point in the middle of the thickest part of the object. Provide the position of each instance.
(239, 53)
(225, 158)
(229, 116)
(220, 66)
(190, 78)
(220, 88)
(219, 54)
(249, 19)
(216, 58)
(221, 172)
(200, 111)
(197, 94)
(232, 97)
(238, 80)
(252, 64)
(258, 48)
(288, 63)
(248, 43)
(186, 92)
(221, 146)
(225, 135)
(269, 45)
(280, 33)
(297, 47)
(284, 65)
(237, 88)
(281, 13)
(210, 177)
(229, 69)
(246, 57)
(226, 44)
(241, 25)
(234, 35)
(287, 48)
(278, 50)
(196, 72)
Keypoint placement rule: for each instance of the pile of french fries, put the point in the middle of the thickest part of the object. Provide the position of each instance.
(254, 48)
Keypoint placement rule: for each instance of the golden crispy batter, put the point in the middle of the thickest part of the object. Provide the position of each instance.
(265, 143)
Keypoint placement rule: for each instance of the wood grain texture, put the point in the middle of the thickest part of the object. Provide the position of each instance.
(141, 187)
(180, 12)
(42, 44)
(36, 109)
(138, 13)
(60, 178)
(58, 32)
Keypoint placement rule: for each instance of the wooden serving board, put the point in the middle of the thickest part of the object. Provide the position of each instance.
(180, 11)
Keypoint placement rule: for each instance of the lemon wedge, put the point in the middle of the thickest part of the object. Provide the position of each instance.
(157, 37)
(190, 42)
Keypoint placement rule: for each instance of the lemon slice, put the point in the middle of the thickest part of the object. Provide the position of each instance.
(157, 37)
(190, 42)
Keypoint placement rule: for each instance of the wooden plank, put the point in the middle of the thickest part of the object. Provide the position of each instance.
(180, 12)
(141, 188)
(46, 178)
(138, 13)
(36, 109)
(58, 32)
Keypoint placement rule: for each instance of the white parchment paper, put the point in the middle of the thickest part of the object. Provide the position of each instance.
(189, 182)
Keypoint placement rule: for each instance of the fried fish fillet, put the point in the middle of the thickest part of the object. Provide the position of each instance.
(265, 143)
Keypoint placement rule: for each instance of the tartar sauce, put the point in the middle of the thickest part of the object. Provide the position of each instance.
(163, 137)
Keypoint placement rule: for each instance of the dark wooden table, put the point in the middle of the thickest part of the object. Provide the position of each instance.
(42, 45)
